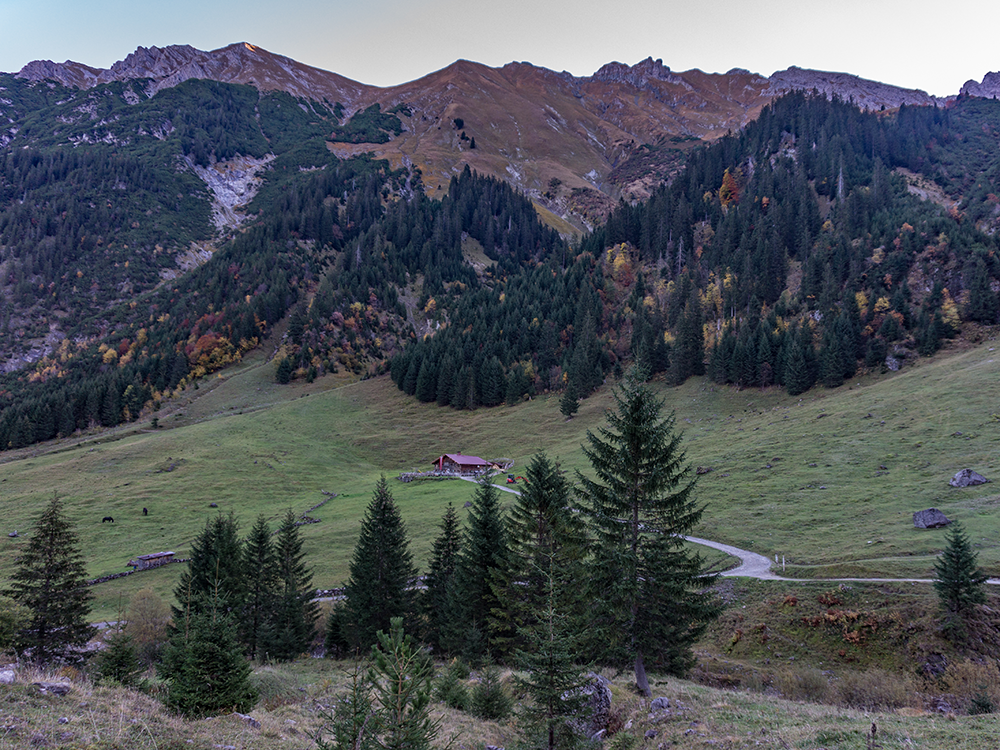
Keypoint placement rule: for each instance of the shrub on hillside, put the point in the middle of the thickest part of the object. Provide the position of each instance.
(450, 689)
(489, 699)
(803, 685)
(975, 687)
(875, 689)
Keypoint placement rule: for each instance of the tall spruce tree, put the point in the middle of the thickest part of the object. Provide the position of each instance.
(547, 541)
(648, 591)
(959, 582)
(292, 624)
(547, 655)
(441, 577)
(49, 579)
(261, 583)
(482, 566)
(382, 572)
(215, 571)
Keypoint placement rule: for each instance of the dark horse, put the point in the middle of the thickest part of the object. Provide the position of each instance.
(107, 519)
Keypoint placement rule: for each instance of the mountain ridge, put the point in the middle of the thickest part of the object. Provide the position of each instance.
(574, 144)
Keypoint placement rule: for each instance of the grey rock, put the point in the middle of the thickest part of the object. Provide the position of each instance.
(935, 666)
(650, 734)
(53, 688)
(248, 719)
(659, 704)
(967, 478)
(595, 708)
(7, 676)
(931, 518)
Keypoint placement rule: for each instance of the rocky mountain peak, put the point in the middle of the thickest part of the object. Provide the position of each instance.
(870, 95)
(237, 63)
(988, 89)
(638, 75)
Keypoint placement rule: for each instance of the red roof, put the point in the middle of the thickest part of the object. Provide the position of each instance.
(463, 460)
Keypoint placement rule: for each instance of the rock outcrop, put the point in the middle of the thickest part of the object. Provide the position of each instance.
(988, 89)
(870, 95)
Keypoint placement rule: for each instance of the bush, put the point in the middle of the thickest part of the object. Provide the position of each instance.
(119, 662)
(875, 689)
(147, 618)
(450, 690)
(489, 699)
(976, 687)
(803, 685)
(274, 688)
(13, 617)
(622, 741)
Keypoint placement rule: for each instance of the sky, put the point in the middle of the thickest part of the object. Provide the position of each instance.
(934, 46)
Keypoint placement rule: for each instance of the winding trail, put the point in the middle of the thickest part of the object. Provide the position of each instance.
(755, 565)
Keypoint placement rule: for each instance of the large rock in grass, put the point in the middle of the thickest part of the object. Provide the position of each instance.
(931, 518)
(967, 478)
(595, 706)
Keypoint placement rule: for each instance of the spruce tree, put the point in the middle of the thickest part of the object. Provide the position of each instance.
(119, 661)
(382, 572)
(648, 591)
(569, 404)
(261, 583)
(553, 678)
(797, 377)
(292, 624)
(401, 676)
(483, 565)
(203, 665)
(440, 578)
(354, 724)
(959, 582)
(215, 570)
(547, 539)
(49, 579)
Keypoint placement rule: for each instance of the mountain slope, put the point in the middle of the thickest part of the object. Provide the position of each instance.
(796, 237)
(575, 144)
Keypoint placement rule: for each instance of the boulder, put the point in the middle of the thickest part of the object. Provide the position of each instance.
(7, 676)
(53, 688)
(660, 704)
(967, 478)
(931, 518)
(596, 706)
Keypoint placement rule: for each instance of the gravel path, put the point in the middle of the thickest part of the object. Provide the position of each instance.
(751, 564)
(754, 565)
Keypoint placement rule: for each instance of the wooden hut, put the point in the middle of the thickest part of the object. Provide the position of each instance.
(144, 562)
(457, 463)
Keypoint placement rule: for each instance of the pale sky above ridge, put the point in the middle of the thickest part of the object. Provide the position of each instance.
(918, 44)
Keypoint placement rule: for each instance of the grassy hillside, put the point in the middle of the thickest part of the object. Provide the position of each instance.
(798, 477)
(294, 695)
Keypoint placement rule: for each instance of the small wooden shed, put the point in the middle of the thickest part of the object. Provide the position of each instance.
(144, 562)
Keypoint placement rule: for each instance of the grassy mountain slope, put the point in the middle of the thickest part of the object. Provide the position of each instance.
(253, 447)
(700, 717)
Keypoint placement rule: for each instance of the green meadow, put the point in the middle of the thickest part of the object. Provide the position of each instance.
(828, 481)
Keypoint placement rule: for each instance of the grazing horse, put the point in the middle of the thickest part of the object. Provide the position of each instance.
(107, 519)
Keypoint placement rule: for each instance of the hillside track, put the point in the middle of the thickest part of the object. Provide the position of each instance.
(755, 565)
